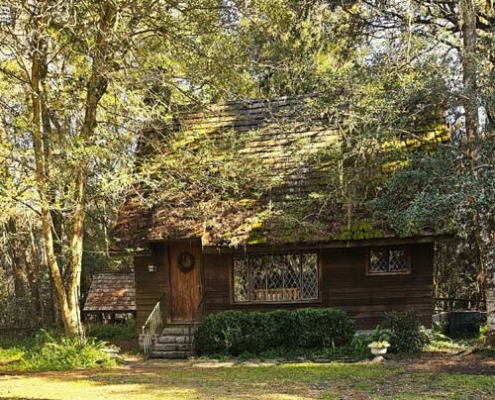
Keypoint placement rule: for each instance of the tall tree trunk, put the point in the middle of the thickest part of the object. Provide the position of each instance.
(20, 279)
(67, 284)
(469, 70)
(69, 308)
(483, 219)
(33, 269)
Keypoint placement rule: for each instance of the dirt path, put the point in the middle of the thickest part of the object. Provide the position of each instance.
(463, 362)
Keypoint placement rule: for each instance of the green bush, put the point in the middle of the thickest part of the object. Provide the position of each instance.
(322, 327)
(219, 333)
(237, 332)
(112, 332)
(406, 333)
(60, 353)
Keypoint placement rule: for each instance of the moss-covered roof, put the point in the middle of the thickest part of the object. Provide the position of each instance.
(245, 172)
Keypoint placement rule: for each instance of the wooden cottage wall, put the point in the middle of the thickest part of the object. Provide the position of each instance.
(365, 298)
(343, 285)
(150, 286)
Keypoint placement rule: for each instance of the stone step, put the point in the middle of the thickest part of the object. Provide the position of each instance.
(177, 330)
(169, 354)
(175, 339)
(172, 347)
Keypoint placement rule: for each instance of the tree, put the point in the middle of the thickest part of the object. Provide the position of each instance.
(77, 78)
(462, 34)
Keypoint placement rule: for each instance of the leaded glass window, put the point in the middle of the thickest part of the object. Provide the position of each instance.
(275, 277)
(383, 260)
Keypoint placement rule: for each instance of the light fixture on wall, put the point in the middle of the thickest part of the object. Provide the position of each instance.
(152, 268)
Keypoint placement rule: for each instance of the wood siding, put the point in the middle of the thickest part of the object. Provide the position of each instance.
(343, 285)
(150, 286)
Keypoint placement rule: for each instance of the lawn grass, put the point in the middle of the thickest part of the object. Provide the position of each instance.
(10, 355)
(183, 380)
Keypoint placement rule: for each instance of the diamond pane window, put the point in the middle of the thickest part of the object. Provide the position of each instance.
(384, 261)
(309, 277)
(378, 261)
(275, 277)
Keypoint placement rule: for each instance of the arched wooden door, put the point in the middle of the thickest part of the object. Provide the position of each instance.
(185, 280)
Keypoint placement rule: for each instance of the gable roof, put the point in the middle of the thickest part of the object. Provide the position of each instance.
(284, 179)
(111, 292)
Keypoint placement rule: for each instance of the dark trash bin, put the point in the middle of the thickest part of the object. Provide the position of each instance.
(464, 323)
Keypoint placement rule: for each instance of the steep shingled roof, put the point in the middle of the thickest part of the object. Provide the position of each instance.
(295, 149)
(111, 292)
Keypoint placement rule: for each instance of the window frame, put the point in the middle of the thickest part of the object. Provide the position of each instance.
(273, 302)
(388, 249)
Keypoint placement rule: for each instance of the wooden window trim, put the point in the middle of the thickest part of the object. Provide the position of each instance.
(407, 255)
(317, 300)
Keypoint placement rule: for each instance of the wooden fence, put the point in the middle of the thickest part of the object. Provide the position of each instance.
(14, 334)
(445, 304)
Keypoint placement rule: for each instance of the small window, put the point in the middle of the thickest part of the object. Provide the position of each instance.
(388, 261)
(275, 277)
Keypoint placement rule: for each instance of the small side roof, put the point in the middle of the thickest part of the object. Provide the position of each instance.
(111, 292)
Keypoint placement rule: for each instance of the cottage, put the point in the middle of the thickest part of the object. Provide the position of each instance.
(252, 208)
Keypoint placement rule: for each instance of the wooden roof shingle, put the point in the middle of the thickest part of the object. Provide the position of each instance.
(297, 147)
(111, 292)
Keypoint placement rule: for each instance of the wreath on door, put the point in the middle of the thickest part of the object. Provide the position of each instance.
(186, 262)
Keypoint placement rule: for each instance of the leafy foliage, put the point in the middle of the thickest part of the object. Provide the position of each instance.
(419, 198)
(14, 311)
(406, 335)
(60, 353)
(112, 331)
(236, 332)
(457, 276)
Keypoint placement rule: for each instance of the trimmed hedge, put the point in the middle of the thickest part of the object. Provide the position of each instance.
(237, 332)
(406, 335)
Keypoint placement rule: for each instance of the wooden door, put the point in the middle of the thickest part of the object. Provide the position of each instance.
(185, 280)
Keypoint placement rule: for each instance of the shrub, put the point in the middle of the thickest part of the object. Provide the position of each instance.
(236, 332)
(113, 332)
(10, 355)
(60, 353)
(219, 333)
(406, 334)
(322, 327)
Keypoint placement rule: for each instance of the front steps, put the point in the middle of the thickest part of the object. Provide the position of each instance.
(175, 342)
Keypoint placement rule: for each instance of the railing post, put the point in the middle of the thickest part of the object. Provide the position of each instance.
(152, 327)
(197, 317)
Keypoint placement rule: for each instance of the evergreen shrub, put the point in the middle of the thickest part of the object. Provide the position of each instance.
(406, 333)
(236, 332)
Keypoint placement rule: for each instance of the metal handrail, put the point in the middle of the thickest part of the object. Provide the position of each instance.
(153, 327)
